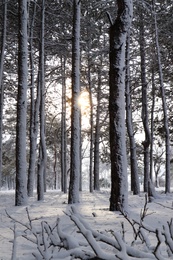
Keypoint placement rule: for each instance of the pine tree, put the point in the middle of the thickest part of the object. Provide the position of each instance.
(118, 34)
(21, 173)
(75, 117)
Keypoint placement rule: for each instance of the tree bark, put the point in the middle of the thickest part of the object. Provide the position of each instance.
(21, 174)
(75, 116)
(118, 33)
(41, 186)
(152, 124)
(97, 136)
(145, 120)
(165, 116)
(3, 42)
(63, 132)
(91, 127)
(33, 124)
(91, 116)
(129, 122)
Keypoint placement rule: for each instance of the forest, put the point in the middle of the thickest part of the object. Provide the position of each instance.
(86, 97)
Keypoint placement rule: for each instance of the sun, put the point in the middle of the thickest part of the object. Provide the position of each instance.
(84, 104)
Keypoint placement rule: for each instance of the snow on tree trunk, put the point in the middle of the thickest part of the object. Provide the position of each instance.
(21, 173)
(133, 159)
(162, 90)
(3, 42)
(145, 119)
(75, 116)
(118, 33)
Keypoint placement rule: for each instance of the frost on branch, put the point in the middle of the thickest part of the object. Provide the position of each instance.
(77, 240)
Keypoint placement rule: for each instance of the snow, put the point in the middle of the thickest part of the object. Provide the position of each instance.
(92, 217)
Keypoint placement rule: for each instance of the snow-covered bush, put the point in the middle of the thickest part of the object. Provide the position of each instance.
(79, 241)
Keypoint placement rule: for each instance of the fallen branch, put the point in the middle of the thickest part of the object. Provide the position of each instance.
(52, 242)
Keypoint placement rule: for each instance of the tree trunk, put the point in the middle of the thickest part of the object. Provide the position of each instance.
(118, 33)
(80, 152)
(3, 42)
(33, 124)
(145, 120)
(162, 90)
(133, 159)
(91, 127)
(63, 132)
(152, 124)
(91, 141)
(21, 174)
(42, 149)
(75, 116)
(55, 183)
(97, 137)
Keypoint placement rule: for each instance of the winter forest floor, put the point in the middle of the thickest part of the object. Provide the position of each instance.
(93, 208)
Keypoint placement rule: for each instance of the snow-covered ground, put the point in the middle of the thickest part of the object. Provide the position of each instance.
(94, 210)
